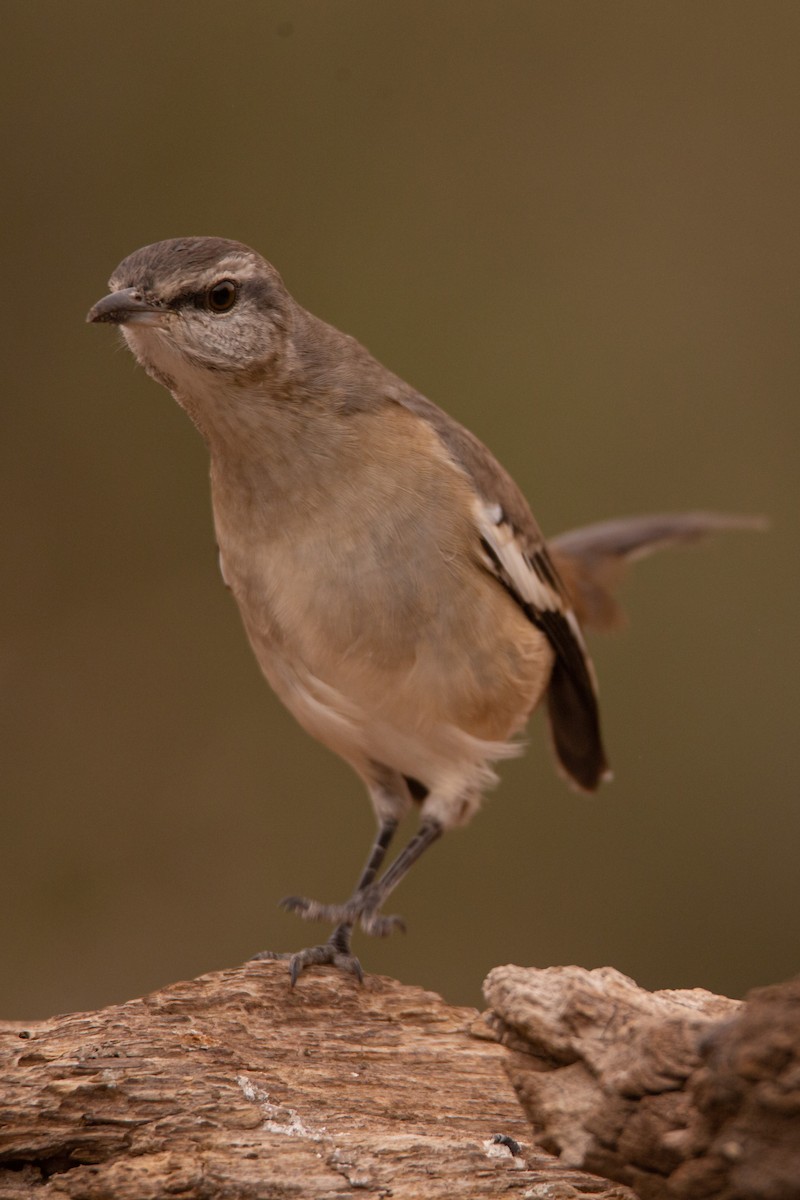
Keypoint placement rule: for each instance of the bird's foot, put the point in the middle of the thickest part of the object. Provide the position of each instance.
(335, 952)
(361, 909)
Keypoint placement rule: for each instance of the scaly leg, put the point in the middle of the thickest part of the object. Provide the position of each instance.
(336, 950)
(363, 905)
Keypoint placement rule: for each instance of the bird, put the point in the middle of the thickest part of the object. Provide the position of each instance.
(398, 595)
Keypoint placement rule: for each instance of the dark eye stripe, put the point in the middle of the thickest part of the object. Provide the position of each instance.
(195, 299)
(188, 300)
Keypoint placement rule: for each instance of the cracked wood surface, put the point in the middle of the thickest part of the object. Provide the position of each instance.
(232, 1085)
(682, 1095)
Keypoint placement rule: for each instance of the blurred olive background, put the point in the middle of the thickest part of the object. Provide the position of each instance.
(573, 225)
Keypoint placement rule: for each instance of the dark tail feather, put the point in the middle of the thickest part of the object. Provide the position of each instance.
(592, 560)
(575, 729)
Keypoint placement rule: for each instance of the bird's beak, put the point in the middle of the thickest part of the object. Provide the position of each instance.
(127, 307)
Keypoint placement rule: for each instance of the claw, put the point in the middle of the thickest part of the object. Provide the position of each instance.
(356, 911)
(326, 954)
(314, 910)
(269, 956)
(378, 925)
(298, 904)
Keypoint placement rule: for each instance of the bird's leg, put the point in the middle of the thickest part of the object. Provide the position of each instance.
(373, 897)
(336, 951)
(346, 914)
(363, 905)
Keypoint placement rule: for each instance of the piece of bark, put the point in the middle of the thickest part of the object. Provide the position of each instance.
(233, 1085)
(682, 1095)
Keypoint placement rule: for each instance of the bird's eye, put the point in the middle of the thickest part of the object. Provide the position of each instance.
(222, 296)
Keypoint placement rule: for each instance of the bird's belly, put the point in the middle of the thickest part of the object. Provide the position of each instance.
(372, 664)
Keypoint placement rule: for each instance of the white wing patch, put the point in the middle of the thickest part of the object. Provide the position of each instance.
(530, 576)
(519, 571)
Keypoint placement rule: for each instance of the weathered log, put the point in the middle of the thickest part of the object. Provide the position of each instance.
(678, 1094)
(233, 1085)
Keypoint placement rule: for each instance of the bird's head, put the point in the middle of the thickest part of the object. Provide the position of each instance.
(190, 307)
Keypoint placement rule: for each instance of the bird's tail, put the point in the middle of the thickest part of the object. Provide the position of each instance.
(592, 560)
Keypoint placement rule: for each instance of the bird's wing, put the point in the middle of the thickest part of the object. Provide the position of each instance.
(526, 571)
(513, 550)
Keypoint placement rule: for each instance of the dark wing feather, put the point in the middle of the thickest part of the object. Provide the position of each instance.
(515, 552)
(571, 695)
